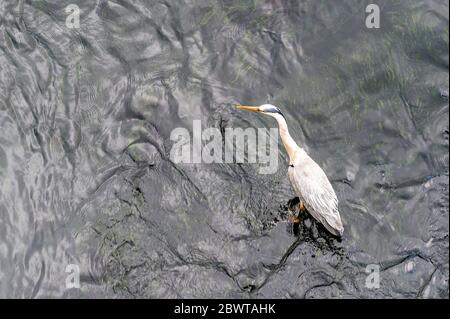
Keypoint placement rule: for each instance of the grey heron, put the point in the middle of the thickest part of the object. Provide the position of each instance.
(307, 178)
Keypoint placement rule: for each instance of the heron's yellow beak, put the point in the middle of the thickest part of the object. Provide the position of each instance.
(249, 108)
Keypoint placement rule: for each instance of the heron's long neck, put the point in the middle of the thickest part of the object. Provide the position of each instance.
(288, 142)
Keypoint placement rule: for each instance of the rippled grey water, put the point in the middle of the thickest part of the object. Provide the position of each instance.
(85, 173)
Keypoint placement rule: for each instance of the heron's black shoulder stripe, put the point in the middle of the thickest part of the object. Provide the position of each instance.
(291, 165)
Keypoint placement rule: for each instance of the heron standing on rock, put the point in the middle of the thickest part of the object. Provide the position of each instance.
(308, 180)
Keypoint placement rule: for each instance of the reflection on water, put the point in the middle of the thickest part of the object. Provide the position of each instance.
(86, 177)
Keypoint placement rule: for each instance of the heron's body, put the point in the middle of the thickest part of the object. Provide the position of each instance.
(308, 180)
(314, 189)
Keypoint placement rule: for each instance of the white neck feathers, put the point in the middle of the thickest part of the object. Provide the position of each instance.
(288, 142)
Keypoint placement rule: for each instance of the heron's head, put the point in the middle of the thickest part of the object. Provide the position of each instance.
(268, 109)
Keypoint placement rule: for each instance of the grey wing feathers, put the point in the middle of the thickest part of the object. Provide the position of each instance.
(313, 187)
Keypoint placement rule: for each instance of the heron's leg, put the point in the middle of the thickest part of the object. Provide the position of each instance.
(294, 219)
(302, 207)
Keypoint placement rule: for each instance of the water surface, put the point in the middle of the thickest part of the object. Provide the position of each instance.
(86, 177)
